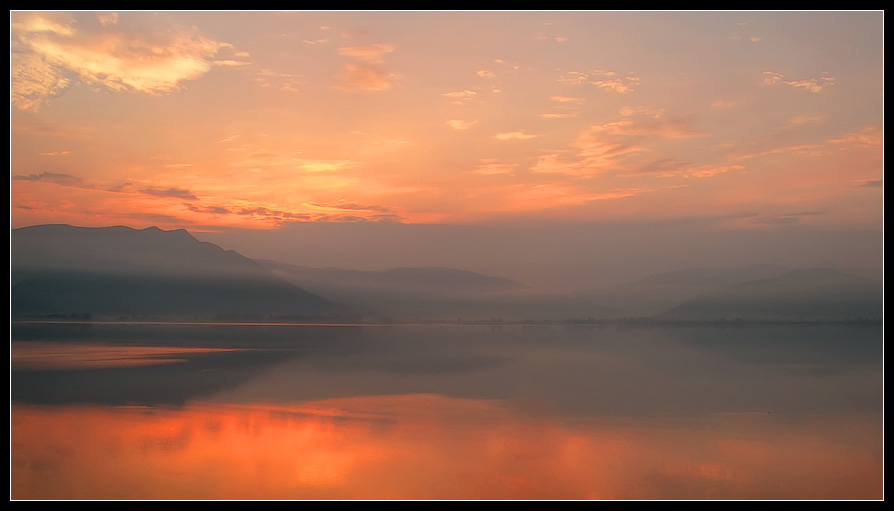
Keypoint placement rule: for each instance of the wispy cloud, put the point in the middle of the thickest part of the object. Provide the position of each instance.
(608, 80)
(870, 136)
(458, 124)
(215, 210)
(175, 193)
(568, 107)
(343, 205)
(365, 73)
(558, 115)
(323, 165)
(514, 135)
(51, 177)
(814, 85)
(649, 127)
(461, 97)
(493, 167)
(372, 53)
(285, 82)
(362, 77)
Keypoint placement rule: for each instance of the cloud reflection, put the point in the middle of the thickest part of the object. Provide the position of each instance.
(426, 446)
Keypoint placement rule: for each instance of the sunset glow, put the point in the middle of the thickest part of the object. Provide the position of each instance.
(203, 120)
(419, 446)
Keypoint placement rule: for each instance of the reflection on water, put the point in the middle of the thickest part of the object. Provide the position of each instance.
(446, 413)
(429, 446)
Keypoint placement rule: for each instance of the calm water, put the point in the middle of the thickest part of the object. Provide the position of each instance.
(102, 411)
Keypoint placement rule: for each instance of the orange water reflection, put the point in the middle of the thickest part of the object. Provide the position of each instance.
(50, 355)
(431, 447)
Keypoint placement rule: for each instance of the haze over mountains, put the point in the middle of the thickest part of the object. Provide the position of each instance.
(119, 272)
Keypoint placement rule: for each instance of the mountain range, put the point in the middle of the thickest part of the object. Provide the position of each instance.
(120, 272)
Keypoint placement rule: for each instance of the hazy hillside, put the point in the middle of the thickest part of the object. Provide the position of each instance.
(119, 271)
(648, 295)
(811, 294)
(409, 293)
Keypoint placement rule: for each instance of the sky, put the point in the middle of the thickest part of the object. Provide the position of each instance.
(248, 127)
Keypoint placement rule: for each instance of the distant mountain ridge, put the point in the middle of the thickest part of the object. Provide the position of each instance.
(60, 270)
(422, 292)
(807, 294)
(120, 271)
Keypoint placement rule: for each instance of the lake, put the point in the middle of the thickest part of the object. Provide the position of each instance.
(223, 411)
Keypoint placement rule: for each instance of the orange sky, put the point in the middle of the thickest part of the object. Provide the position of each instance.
(210, 119)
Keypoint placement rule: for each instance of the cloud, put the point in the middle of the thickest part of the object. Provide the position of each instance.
(608, 80)
(513, 135)
(566, 99)
(372, 53)
(870, 136)
(341, 204)
(51, 177)
(710, 171)
(814, 85)
(176, 193)
(46, 54)
(364, 74)
(549, 195)
(215, 210)
(617, 85)
(771, 78)
(574, 77)
(33, 81)
(483, 73)
(873, 183)
(106, 19)
(570, 106)
(649, 127)
(663, 167)
(282, 81)
(492, 167)
(813, 149)
(362, 77)
(799, 121)
(277, 216)
(461, 97)
(55, 153)
(458, 124)
(229, 63)
(324, 165)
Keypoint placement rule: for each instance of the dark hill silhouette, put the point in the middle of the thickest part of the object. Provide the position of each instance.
(120, 271)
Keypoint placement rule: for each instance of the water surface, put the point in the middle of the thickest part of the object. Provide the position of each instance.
(445, 412)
